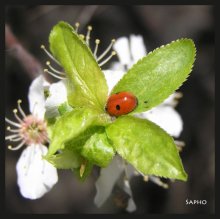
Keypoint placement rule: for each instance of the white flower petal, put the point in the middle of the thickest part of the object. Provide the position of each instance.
(131, 204)
(107, 179)
(36, 97)
(121, 46)
(117, 66)
(137, 47)
(166, 117)
(35, 175)
(112, 78)
(58, 95)
(130, 171)
(172, 100)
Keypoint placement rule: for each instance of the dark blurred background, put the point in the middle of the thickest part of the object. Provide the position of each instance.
(158, 25)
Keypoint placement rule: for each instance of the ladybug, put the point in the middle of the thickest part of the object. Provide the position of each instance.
(121, 103)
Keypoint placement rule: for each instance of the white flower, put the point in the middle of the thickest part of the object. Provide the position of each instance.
(108, 177)
(35, 176)
(166, 117)
(112, 77)
(129, 51)
(36, 96)
(57, 96)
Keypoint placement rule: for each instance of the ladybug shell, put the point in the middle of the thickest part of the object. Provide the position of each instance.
(121, 103)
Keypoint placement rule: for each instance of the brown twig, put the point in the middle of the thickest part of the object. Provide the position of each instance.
(31, 65)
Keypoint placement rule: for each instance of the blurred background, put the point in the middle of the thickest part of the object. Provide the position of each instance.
(158, 25)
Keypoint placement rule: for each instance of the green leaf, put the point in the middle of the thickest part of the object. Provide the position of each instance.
(50, 123)
(98, 150)
(64, 107)
(72, 124)
(156, 76)
(147, 147)
(86, 85)
(66, 159)
(80, 140)
(93, 145)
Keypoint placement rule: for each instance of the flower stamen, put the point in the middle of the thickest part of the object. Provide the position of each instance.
(20, 109)
(97, 41)
(82, 36)
(12, 130)
(146, 178)
(61, 75)
(107, 59)
(179, 145)
(29, 130)
(17, 147)
(107, 50)
(10, 137)
(178, 95)
(77, 24)
(12, 123)
(53, 69)
(89, 29)
(15, 111)
(15, 139)
(49, 54)
(53, 74)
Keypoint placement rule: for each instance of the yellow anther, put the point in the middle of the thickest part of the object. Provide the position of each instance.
(82, 36)
(9, 147)
(114, 53)
(165, 186)
(113, 40)
(178, 95)
(89, 28)
(15, 110)
(77, 24)
(19, 101)
(145, 178)
(8, 128)
(42, 47)
(47, 63)
(97, 41)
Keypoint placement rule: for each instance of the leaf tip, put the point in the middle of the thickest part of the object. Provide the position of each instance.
(183, 177)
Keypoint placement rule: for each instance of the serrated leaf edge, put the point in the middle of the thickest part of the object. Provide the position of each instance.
(150, 54)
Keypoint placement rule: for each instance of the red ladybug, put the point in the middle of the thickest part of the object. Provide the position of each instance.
(121, 103)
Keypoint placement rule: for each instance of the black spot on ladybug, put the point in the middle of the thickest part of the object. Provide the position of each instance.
(117, 107)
